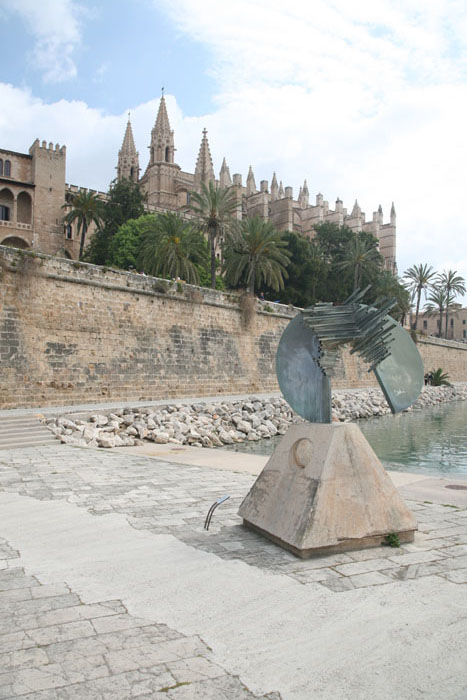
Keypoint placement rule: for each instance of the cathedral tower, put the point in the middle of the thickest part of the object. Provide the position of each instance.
(128, 160)
(159, 180)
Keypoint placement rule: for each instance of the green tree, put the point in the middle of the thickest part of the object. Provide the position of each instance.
(435, 305)
(362, 257)
(255, 252)
(418, 280)
(440, 378)
(390, 286)
(125, 244)
(453, 285)
(125, 201)
(86, 209)
(213, 208)
(171, 247)
(305, 270)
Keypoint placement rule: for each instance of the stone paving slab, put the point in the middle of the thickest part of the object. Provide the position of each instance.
(112, 656)
(163, 497)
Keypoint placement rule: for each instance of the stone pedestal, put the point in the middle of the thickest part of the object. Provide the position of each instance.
(324, 490)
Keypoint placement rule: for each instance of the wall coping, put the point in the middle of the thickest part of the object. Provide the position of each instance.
(432, 340)
(77, 272)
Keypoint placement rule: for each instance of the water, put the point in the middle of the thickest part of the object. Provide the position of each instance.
(432, 441)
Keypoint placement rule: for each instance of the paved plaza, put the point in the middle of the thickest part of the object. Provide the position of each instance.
(111, 588)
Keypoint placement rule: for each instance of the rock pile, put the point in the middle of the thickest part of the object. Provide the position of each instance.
(199, 424)
(355, 404)
(213, 425)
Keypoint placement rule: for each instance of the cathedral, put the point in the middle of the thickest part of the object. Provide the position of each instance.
(33, 194)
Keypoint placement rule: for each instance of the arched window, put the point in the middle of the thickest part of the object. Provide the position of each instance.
(7, 168)
(6, 204)
(132, 172)
(24, 208)
(69, 231)
(167, 153)
(1, 166)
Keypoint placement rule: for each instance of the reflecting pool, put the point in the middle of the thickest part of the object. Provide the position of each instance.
(432, 441)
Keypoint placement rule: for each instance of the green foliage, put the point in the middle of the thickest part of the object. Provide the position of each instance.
(124, 245)
(171, 247)
(305, 269)
(418, 278)
(348, 258)
(439, 378)
(86, 209)
(392, 540)
(451, 284)
(125, 201)
(361, 256)
(255, 254)
(213, 208)
(390, 287)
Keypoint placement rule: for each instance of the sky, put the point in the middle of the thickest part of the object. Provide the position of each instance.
(366, 100)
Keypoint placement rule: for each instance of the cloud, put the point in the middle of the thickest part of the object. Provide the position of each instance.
(366, 100)
(54, 24)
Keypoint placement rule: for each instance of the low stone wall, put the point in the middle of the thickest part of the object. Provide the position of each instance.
(74, 333)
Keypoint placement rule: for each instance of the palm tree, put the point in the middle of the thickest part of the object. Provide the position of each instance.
(172, 248)
(362, 256)
(390, 286)
(255, 253)
(436, 303)
(86, 209)
(213, 208)
(453, 285)
(418, 279)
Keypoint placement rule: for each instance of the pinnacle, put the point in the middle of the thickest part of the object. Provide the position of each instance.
(204, 169)
(128, 145)
(224, 175)
(162, 119)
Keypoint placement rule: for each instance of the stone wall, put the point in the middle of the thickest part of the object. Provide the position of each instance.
(76, 333)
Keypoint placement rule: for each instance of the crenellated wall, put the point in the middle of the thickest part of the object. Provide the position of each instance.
(74, 333)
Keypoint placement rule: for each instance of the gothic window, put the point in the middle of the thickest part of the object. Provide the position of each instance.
(4, 213)
(187, 197)
(452, 323)
(1, 166)
(69, 231)
(132, 172)
(167, 152)
(24, 208)
(425, 324)
(7, 168)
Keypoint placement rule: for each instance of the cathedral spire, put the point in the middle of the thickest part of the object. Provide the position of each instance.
(281, 190)
(204, 171)
(274, 188)
(356, 211)
(250, 182)
(304, 198)
(224, 176)
(162, 137)
(393, 214)
(128, 161)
